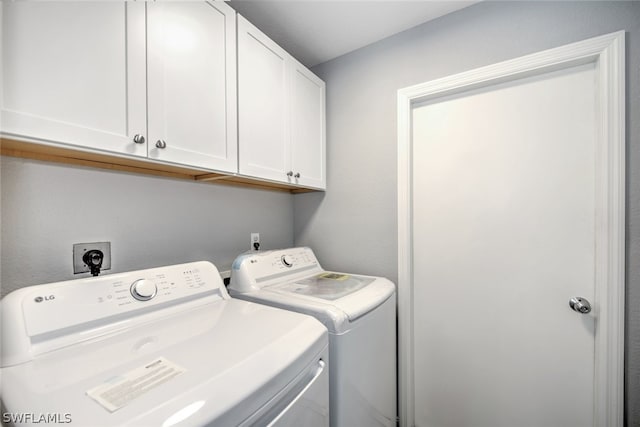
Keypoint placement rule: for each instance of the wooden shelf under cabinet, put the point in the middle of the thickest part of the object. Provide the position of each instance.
(56, 154)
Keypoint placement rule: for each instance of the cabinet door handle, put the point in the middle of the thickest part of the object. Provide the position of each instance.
(297, 175)
(138, 139)
(161, 144)
(290, 173)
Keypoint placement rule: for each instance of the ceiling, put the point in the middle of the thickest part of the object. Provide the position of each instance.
(318, 31)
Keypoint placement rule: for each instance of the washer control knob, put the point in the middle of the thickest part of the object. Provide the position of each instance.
(143, 290)
(287, 260)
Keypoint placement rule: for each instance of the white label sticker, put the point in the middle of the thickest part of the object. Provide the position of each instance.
(121, 390)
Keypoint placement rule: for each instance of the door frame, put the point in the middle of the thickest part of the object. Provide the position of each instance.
(608, 54)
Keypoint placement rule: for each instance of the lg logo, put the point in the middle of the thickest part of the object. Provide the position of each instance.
(45, 298)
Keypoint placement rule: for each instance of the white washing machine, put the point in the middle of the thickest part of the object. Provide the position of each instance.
(360, 314)
(159, 347)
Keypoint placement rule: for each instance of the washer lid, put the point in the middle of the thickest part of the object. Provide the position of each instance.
(221, 362)
(336, 299)
(328, 285)
(294, 280)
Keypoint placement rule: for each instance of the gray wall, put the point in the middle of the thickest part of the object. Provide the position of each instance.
(353, 226)
(150, 221)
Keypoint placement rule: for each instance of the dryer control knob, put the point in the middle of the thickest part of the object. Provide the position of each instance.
(143, 290)
(287, 260)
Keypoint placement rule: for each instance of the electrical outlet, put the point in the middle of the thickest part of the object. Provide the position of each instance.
(255, 240)
(79, 249)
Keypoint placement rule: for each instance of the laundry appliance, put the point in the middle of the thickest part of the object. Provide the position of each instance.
(359, 312)
(162, 347)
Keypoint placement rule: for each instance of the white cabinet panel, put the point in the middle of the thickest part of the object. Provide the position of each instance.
(262, 104)
(281, 117)
(192, 83)
(75, 73)
(93, 74)
(308, 128)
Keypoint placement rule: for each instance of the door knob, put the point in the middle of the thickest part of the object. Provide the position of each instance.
(161, 144)
(138, 139)
(579, 304)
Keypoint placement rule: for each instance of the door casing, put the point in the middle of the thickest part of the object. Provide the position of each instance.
(607, 53)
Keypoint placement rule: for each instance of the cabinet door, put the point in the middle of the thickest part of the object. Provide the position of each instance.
(74, 72)
(263, 122)
(308, 128)
(192, 83)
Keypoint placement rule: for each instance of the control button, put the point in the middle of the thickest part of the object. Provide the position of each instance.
(287, 260)
(143, 290)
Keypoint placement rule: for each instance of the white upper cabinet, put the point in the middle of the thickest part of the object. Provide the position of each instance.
(308, 128)
(167, 81)
(281, 113)
(74, 72)
(94, 74)
(192, 84)
(262, 104)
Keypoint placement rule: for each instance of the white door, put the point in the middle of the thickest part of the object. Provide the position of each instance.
(74, 72)
(192, 83)
(507, 213)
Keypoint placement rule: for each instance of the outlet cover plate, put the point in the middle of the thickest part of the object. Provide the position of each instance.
(255, 238)
(79, 250)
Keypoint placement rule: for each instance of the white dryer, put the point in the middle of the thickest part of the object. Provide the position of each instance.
(159, 347)
(360, 314)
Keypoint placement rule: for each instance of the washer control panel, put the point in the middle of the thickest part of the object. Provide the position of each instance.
(253, 271)
(287, 260)
(60, 305)
(143, 289)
